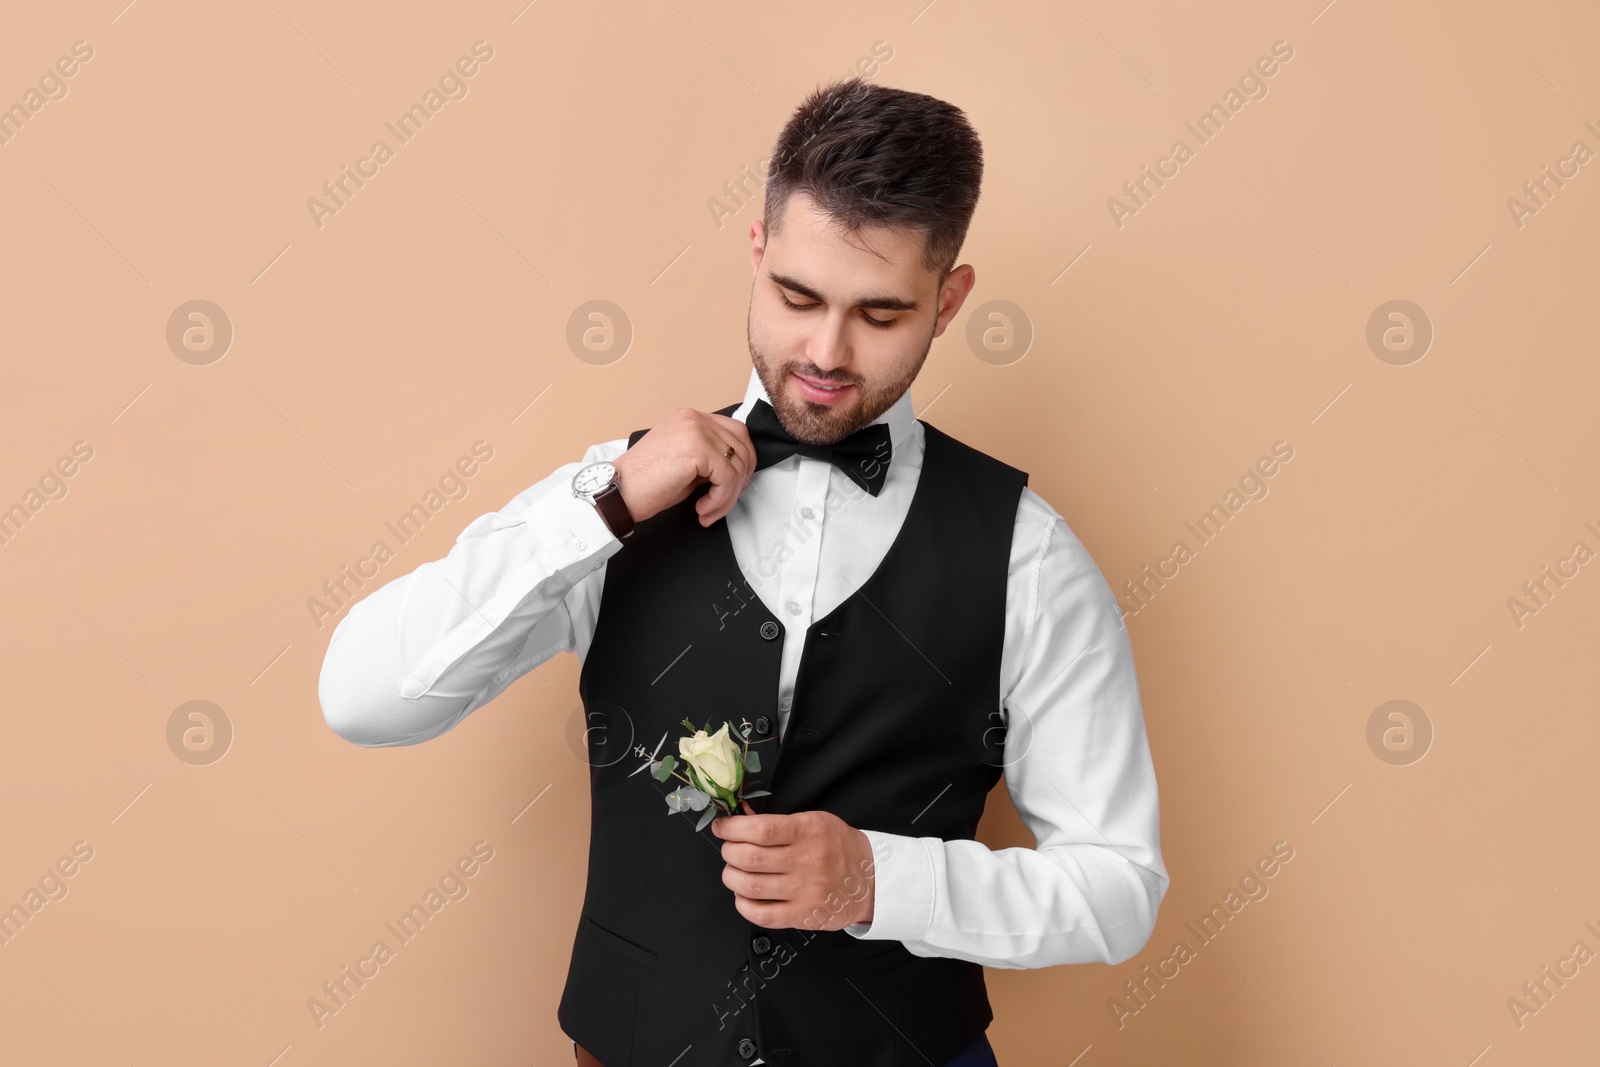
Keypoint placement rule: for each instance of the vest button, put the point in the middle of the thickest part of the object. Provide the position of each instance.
(763, 724)
(747, 1048)
(761, 945)
(769, 629)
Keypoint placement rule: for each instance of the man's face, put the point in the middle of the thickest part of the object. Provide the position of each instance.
(861, 320)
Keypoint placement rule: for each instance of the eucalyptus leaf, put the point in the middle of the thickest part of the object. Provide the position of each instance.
(757, 793)
(752, 761)
(686, 798)
(711, 813)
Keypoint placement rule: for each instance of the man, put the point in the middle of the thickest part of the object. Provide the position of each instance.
(896, 615)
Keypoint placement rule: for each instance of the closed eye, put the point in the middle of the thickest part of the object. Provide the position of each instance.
(879, 323)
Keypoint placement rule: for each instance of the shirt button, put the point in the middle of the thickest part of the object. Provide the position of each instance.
(763, 724)
(577, 542)
(747, 1048)
(794, 607)
(761, 945)
(769, 629)
(807, 513)
(783, 705)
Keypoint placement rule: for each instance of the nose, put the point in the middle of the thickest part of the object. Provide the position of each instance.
(829, 351)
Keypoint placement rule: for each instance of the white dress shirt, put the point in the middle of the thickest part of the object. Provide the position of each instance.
(412, 659)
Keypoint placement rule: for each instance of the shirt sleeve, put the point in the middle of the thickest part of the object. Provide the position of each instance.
(1078, 768)
(413, 658)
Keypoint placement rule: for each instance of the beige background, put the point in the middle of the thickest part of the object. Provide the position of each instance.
(1168, 354)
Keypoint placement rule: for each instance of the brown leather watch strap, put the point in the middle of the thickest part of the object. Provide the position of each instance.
(614, 511)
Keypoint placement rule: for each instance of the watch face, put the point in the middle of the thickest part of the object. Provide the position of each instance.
(593, 478)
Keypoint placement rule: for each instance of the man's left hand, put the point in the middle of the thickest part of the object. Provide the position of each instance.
(807, 870)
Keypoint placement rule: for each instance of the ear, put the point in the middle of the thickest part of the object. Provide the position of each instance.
(758, 244)
(957, 285)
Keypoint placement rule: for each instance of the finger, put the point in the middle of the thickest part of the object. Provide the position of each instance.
(736, 434)
(713, 504)
(718, 499)
(765, 830)
(752, 885)
(758, 912)
(729, 476)
(708, 461)
(744, 451)
(741, 438)
(757, 859)
(741, 827)
(738, 463)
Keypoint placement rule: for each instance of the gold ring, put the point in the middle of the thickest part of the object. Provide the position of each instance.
(729, 453)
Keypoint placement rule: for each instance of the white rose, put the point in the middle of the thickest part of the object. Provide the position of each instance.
(717, 758)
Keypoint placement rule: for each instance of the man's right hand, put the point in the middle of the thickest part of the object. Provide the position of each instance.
(678, 454)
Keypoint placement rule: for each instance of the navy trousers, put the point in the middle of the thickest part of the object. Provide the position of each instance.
(977, 1054)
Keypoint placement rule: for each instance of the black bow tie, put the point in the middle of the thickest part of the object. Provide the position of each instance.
(864, 455)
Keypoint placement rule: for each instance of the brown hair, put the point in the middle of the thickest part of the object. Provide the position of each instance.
(871, 155)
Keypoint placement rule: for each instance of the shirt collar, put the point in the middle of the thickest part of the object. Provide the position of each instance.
(898, 418)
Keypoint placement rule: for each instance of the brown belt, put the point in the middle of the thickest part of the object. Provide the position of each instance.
(584, 1058)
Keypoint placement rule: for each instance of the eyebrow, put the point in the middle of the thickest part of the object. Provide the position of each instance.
(880, 303)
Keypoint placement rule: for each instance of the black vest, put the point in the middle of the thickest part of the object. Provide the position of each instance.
(896, 726)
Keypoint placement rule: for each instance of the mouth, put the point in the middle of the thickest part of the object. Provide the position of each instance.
(823, 392)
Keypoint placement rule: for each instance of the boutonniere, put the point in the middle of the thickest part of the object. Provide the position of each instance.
(716, 765)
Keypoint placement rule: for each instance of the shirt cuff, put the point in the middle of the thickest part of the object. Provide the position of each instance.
(903, 889)
(571, 535)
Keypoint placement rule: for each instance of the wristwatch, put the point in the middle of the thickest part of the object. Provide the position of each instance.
(597, 483)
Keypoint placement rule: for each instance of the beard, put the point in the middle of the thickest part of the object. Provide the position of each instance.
(827, 424)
